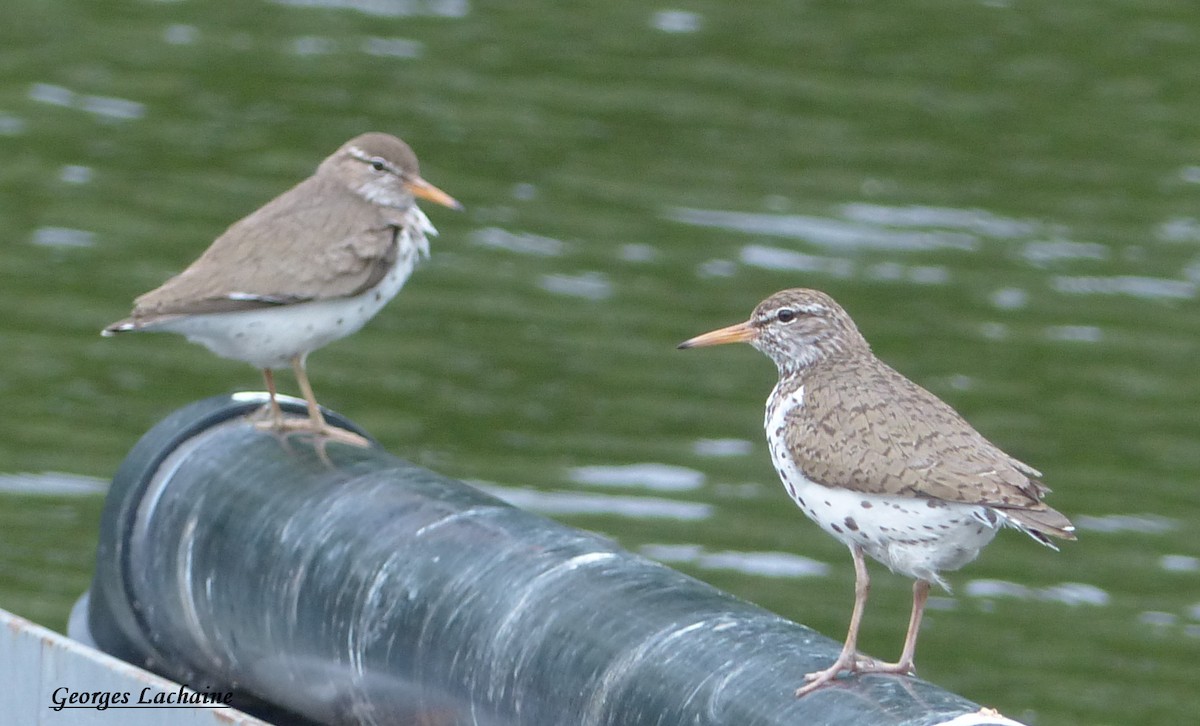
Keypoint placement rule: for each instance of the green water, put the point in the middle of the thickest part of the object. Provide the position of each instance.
(1005, 195)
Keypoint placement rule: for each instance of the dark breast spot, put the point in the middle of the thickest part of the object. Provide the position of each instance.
(851, 524)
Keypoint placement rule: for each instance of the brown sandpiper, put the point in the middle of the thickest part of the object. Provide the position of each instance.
(880, 463)
(311, 266)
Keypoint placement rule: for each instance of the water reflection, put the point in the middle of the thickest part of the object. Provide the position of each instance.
(657, 477)
(1150, 288)
(115, 109)
(1179, 563)
(676, 21)
(828, 233)
(761, 564)
(1066, 593)
(389, 8)
(577, 503)
(722, 447)
(1115, 523)
(524, 244)
(51, 484)
(63, 237)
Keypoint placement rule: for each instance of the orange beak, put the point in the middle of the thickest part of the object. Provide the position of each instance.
(424, 190)
(740, 333)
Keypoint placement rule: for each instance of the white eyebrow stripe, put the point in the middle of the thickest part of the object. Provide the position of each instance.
(361, 155)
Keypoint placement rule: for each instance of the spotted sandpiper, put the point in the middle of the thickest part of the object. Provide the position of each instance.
(311, 266)
(880, 463)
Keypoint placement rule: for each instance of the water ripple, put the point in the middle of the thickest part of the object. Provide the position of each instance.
(389, 8)
(716, 268)
(312, 45)
(1113, 523)
(1179, 563)
(75, 174)
(393, 47)
(107, 107)
(722, 447)
(1179, 229)
(774, 258)
(764, 564)
(653, 476)
(1142, 287)
(825, 232)
(1075, 333)
(676, 21)
(52, 483)
(1009, 298)
(63, 237)
(1157, 618)
(521, 243)
(1042, 252)
(977, 221)
(560, 502)
(11, 125)
(181, 34)
(1067, 593)
(589, 285)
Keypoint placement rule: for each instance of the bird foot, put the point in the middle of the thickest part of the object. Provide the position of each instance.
(848, 662)
(267, 417)
(817, 679)
(323, 431)
(866, 664)
(871, 665)
(851, 664)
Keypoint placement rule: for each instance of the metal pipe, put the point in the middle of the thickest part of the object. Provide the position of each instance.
(349, 586)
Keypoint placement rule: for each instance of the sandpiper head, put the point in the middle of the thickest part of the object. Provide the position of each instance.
(383, 169)
(795, 328)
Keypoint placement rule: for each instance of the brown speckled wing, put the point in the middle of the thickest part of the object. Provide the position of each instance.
(316, 241)
(865, 427)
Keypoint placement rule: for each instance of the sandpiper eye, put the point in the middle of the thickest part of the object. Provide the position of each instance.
(786, 315)
(378, 165)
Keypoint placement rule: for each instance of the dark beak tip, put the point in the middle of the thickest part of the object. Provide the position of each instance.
(684, 345)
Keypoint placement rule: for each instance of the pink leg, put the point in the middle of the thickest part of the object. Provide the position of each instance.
(317, 422)
(273, 406)
(314, 411)
(905, 664)
(847, 660)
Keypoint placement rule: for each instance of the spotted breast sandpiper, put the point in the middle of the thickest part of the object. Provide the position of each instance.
(880, 463)
(311, 266)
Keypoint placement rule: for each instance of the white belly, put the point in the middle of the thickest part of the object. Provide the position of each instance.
(270, 337)
(916, 537)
